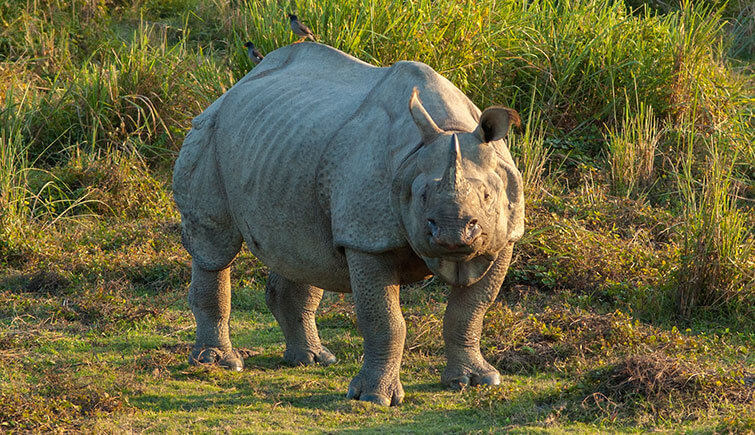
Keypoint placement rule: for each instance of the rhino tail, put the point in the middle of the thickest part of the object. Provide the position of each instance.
(207, 228)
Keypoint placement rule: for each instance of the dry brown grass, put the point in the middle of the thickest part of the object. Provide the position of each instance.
(566, 338)
(46, 281)
(57, 403)
(665, 385)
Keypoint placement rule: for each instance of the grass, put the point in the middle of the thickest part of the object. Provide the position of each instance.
(629, 303)
(632, 152)
(715, 270)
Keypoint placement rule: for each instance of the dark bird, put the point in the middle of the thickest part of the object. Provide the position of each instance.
(253, 54)
(300, 29)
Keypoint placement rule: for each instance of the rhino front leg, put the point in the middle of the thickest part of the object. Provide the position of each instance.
(210, 300)
(294, 306)
(462, 328)
(375, 284)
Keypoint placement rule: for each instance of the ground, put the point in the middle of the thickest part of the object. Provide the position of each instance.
(629, 304)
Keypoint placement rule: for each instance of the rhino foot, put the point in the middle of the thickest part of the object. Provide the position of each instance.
(230, 360)
(461, 377)
(307, 357)
(367, 386)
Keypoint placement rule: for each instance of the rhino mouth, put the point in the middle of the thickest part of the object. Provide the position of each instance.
(460, 273)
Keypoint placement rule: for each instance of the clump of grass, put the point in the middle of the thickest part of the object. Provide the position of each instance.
(657, 382)
(564, 338)
(632, 151)
(105, 91)
(121, 100)
(716, 248)
(58, 402)
(47, 281)
(116, 184)
(608, 250)
(14, 160)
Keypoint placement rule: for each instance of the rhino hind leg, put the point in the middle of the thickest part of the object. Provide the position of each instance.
(294, 306)
(210, 301)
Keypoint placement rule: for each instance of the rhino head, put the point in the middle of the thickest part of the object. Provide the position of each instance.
(461, 202)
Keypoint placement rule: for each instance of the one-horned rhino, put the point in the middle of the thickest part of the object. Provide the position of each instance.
(338, 177)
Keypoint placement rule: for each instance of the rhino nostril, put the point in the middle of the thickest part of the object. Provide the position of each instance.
(473, 231)
(433, 227)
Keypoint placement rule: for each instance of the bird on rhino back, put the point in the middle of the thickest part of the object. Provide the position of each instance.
(338, 177)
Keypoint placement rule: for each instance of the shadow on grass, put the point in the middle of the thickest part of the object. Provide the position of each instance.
(427, 387)
(266, 361)
(442, 421)
(414, 415)
(428, 407)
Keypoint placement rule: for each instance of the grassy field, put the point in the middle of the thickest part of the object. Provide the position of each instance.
(630, 302)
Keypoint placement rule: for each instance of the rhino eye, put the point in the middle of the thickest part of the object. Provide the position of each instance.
(486, 196)
(424, 197)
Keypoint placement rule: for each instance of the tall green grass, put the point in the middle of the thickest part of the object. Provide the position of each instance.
(531, 154)
(717, 252)
(14, 163)
(498, 52)
(632, 152)
(502, 51)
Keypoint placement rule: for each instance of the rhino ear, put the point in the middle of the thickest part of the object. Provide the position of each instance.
(495, 122)
(424, 122)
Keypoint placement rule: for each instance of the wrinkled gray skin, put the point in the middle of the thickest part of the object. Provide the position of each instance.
(338, 177)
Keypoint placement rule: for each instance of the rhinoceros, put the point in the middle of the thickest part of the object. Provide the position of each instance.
(338, 177)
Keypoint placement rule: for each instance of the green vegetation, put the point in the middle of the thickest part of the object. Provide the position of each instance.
(630, 303)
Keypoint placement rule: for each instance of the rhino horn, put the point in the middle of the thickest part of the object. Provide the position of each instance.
(424, 122)
(453, 180)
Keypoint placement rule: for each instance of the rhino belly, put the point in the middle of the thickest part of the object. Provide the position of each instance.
(272, 195)
(300, 251)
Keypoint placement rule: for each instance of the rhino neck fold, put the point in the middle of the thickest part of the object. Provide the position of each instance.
(461, 274)
(406, 171)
